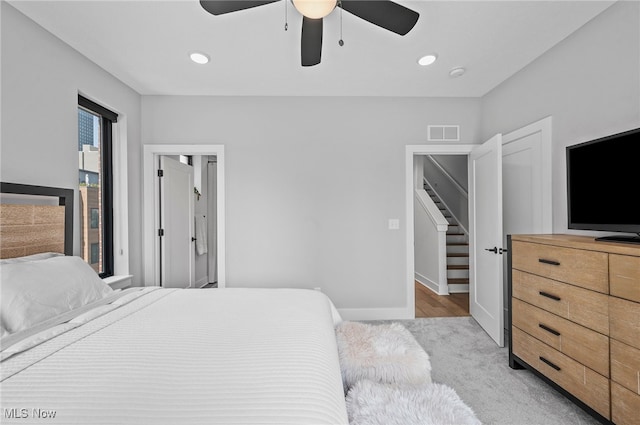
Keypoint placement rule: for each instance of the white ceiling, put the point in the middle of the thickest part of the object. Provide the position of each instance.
(146, 44)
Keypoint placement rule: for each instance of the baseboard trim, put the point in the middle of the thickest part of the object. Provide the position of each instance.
(424, 281)
(375, 313)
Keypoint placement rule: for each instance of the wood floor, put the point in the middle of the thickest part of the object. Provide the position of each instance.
(430, 304)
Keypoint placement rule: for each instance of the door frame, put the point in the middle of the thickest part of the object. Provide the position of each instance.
(150, 251)
(410, 152)
(544, 126)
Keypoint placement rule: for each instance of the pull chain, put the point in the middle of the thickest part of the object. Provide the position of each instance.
(286, 16)
(341, 41)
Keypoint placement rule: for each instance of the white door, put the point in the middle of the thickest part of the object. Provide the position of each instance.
(526, 168)
(177, 256)
(485, 238)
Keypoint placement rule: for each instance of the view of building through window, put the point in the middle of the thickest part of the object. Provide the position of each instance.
(90, 188)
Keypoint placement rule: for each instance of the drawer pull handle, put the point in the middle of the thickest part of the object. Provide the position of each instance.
(549, 363)
(548, 329)
(553, 297)
(553, 263)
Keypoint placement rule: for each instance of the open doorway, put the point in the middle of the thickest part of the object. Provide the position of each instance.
(441, 208)
(440, 254)
(526, 171)
(186, 209)
(206, 219)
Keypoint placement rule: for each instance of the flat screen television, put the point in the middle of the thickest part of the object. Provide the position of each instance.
(603, 185)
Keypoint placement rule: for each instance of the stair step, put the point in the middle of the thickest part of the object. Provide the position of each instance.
(457, 267)
(458, 261)
(457, 254)
(462, 239)
(457, 274)
(459, 249)
(458, 281)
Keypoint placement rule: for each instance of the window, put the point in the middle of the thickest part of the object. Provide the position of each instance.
(95, 218)
(95, 253)
(95, 181)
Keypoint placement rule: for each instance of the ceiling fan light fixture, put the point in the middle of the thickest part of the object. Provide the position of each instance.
(428, 59)
(199, 58)
(315, 9)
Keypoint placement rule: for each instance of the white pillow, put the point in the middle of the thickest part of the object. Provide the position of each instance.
(34, 291)
(32, 257)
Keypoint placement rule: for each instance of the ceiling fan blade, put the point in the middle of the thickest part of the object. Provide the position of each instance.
(311, 44)
(220, 7)
(383, 13)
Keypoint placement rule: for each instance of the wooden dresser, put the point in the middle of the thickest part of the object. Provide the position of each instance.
(574, 320)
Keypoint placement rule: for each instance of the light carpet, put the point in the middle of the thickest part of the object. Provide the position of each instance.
(386, 354)
(465, 358)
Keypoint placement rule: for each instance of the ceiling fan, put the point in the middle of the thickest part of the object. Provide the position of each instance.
(383, 13)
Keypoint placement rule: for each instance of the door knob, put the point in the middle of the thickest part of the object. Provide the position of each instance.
(494, 250)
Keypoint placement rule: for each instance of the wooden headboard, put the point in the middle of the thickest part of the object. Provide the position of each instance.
(30, 227)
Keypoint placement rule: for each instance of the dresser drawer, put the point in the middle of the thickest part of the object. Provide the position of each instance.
(624, 322)
(588, 308)
(584, 345)
(588, 269)
(625, 406)
(625, 366)
(585, 384)
(624, 277)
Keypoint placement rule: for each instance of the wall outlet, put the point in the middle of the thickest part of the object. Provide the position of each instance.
(394, 224)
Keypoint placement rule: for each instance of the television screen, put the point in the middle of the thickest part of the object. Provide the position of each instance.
(603, 183)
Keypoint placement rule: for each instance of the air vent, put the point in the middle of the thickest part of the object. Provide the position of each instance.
(444, 133)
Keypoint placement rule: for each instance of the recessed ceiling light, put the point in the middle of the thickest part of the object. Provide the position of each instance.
(428, 59)
(199, 58)
(457, 72)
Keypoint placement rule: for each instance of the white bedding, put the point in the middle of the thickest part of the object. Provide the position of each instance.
(181, 356)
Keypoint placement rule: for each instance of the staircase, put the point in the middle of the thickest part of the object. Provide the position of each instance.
(457, 249)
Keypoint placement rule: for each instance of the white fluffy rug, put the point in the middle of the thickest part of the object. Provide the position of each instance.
(381, 353)
(370, 403)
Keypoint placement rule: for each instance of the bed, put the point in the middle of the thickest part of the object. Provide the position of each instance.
(75, 351)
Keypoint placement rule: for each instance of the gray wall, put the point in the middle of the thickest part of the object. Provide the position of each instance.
(456, 166)
(41, 78)
(453, 196)
(589, 83)
(311, 184)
